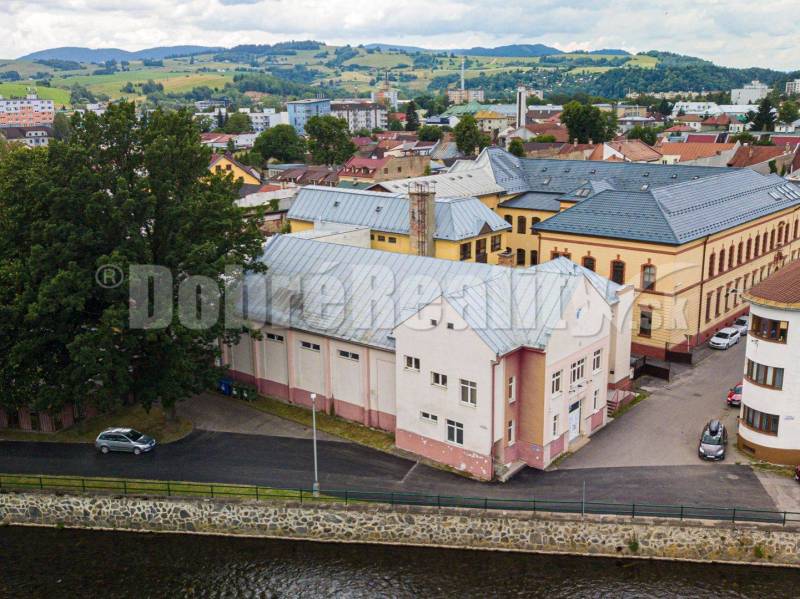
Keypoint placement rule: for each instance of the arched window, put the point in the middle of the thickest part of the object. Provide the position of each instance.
(521, 224)
(786, 234)
(757, 246)
(730, 258)
(722, 260)
(764, 245)
(589, 262)
(534, 257)
(712, 262)
(618, 271)
(772, 240)
(649, 277)
(534, 220)
(740, 253)
(749, 251)
(796, 228)
(520, 257)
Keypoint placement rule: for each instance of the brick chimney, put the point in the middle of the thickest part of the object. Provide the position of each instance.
(506, 258)
(422, 218)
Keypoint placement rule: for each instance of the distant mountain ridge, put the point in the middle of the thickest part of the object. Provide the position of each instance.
(79, 54)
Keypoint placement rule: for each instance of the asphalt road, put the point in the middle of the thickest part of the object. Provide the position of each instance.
(288, 463)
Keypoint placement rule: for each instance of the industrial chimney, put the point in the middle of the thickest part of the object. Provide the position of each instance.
(522, 106)
(422, 218)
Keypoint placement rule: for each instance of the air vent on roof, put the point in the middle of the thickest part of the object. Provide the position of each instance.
(645, 187)
(544, 169)
(695, 177)
(593, 171)
(646, 174)
(378, 208)
(336, 204)
(674, 175)
(566, 170)
(546, 181)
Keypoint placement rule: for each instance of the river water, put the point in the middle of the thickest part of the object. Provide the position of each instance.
(38, 562)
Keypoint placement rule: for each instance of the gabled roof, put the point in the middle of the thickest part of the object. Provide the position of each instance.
(694, 150)
(507, 307)
(748, 155)
(470, 182)
(456, 218)
(679, 213)
(634, 150)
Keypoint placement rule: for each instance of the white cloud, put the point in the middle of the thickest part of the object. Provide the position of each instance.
(729, 32)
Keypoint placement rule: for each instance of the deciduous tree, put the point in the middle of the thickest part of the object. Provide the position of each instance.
(281, 143)
(329, 140)
(586, 122)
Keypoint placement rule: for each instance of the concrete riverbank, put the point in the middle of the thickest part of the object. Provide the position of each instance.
(612, 536)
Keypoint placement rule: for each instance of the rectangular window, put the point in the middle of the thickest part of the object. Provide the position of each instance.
(309, 345)
(595, 397)
(455, 432)
(428, 417)
(512, 434)
(496, 241)
(555, 383)
(766, 376)
(555, 425)
(348, 355)
(412, 363)
(451, 326)
(381, 237)
(597, 360)
(393, 240)
(438, 379)
(469, 392)
(434, 322)
(760, 421)
(274, 337)
(769, 330)
(512, 389)
(466, 251)
(709, 301)
(646, 323)
(577, 371)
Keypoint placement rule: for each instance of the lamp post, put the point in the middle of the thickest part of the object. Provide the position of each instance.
(315, 487)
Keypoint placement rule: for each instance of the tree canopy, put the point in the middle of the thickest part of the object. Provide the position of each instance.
(585, 122)
(329, 140)
(429, 133)
(469, 138)
(412, 118)
(516, 147)
(789, 112)
(281, 143)
(763, 119)
(238, 122)
(647, 134)
(117, 193)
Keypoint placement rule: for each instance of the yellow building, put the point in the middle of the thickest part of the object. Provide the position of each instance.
(414, 223)
(226, 163)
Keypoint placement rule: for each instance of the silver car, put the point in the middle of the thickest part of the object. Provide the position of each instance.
(724, 338)
(124, 439)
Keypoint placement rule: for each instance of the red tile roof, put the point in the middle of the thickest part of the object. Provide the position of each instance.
(749, 155)
(693, 150)
(703, 137)
(634, 150)
(782, 288)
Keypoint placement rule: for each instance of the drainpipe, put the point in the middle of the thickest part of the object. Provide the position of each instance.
(702, 295)
(494, 363)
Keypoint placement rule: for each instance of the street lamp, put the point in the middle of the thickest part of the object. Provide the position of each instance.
(315, 486)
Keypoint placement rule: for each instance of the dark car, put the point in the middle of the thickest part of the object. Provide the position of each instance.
(713, 441)
(735, 396)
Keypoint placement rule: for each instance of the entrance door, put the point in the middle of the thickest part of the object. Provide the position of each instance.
(574, 420)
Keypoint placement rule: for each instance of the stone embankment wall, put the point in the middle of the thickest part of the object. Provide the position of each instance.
(420, 526)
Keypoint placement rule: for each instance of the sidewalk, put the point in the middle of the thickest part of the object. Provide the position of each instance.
(211, 412)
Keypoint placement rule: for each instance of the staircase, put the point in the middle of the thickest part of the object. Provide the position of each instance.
(617, 398)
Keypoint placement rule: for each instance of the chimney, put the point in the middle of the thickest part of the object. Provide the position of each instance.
(505, 258)
(422, 218)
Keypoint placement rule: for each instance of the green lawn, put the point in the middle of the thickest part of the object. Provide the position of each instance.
(155, 423)
(59, 96)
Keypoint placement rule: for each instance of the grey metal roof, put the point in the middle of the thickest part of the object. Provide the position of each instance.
(456, 218)
(361, 295)
(678, 213)
(532, 200)
(474, 182)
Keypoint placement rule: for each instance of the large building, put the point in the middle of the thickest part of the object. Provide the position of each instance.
(769, 423)
(684, 236)
(415, 222)
(793, 87)
(462, 96)
(752, 93)
(482, 368)
(302, 110)
(33, 137)
(360, 114)
(30, 111)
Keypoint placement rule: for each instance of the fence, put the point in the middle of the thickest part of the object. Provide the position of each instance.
(394, 498)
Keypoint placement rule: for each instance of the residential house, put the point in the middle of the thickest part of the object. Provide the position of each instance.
(226, 163)
(481, 368)
(299, 111)
(269, 200)
(33, 137)
(375, 170)
(697, 153)
(415, 222)
(360, 114)
(625, 150)
(303, 174)
(765, 159)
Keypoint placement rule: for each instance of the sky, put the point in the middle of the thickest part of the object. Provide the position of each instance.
(737, 33)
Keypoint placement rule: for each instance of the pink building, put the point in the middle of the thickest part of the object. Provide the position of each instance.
(483, 368)
(26, 112)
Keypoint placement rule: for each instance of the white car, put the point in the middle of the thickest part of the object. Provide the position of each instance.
(724, 338)
(742, 324)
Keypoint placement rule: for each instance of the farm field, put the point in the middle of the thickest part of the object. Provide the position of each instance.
(57, 95)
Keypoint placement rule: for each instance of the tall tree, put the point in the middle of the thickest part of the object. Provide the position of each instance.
(281, 143)
(764, 118)
(469, 137)
(412, 118)
(586, 122)
(647, 134)
(116, 193)
(239, 122)
(329, 140)
(62, 128)
(789, 112)
(429, 133)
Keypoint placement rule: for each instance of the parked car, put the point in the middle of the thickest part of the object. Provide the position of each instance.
(735, 395)
(713, 441)
(742, 324)
(124, 439)
(725, 338)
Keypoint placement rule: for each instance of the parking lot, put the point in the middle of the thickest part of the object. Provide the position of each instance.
(664, 429)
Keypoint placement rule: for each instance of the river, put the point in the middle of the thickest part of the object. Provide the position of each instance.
(39, 562)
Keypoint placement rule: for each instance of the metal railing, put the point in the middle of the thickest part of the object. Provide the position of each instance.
(392, 498)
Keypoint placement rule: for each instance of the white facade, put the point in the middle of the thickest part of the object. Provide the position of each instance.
(360, 114)
(749, 94)
(259, 121)
(776, 396)
(793, 87)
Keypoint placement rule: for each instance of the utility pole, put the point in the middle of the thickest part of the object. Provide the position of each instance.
(315, 486)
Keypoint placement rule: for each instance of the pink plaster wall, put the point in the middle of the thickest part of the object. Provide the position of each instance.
(348, 411)
(479, 466)
(242, 377)
(557, 447)
(597, 419)
(273, 389)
